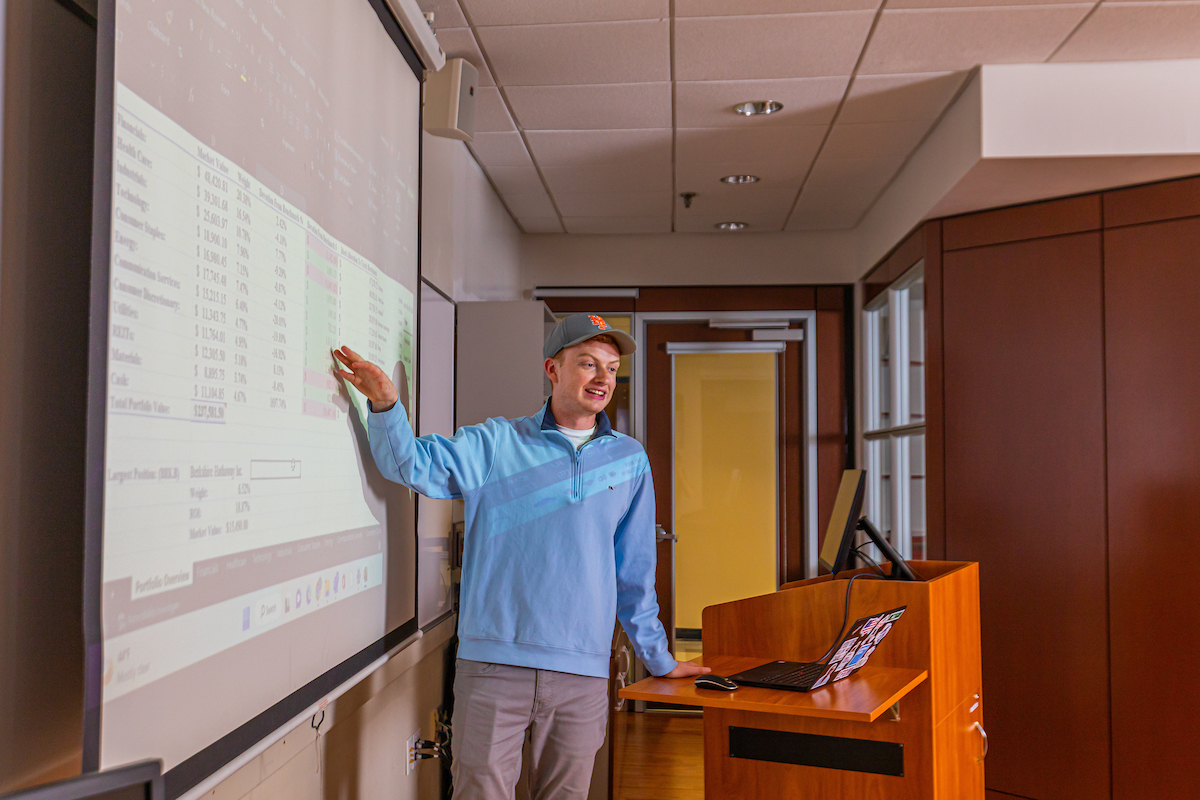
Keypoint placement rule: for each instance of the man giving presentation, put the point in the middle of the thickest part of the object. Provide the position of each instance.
(559, 541)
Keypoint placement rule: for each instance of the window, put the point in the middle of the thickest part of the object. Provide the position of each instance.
(894, 412)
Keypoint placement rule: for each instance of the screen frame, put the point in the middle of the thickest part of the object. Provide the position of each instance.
(147, 774)
(190, 772)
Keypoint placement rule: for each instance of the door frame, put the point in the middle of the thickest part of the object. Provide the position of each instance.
(808, 376)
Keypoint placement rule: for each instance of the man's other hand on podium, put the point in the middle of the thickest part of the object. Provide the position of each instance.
(687, 669)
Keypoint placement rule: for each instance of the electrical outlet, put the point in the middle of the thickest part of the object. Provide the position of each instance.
(411, 749)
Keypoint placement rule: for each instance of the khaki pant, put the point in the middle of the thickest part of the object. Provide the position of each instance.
(494, 704)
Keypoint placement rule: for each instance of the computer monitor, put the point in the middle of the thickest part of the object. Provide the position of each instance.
(844, 524)
(847, 508)
(140, 781)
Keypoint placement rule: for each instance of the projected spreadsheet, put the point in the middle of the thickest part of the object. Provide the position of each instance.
(235, 470)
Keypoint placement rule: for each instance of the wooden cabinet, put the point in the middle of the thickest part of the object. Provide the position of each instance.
(1063, 386)
(961, 744)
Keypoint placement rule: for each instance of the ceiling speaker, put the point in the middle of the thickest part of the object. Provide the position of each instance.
(450, 100)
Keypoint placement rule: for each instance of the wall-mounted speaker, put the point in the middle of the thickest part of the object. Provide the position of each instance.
(450, 100)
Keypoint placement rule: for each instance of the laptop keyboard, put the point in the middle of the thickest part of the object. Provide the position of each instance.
(800, 676)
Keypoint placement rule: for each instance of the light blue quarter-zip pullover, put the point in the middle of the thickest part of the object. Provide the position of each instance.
(558, 542)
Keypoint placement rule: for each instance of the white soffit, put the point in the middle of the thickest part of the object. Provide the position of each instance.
(1094, 109)
(1021, 133)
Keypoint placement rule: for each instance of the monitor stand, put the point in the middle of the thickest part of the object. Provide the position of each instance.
(900, 569)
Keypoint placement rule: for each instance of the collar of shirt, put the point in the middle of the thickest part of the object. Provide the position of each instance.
(577, 437)
(548, 423)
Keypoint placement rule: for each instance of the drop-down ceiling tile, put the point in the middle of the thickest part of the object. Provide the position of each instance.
(815, 213)
(612, 225)
(806, 101)
(1136, 32)
(726, 145)
(705, 179)
(532, 205)
(854, 175)
(899, 98)
(593, 52)
(900, 4)
(491, 114)
(613, 177)
(614, 204)
(891, 141)
(500, 150)
(693, 221)
(769, 46)
(636, 146)
(460, 43)
(446, 14)
(596, 107)
(536, 12)
(839, 191)
(937, 40)
(735, 202)
(515, 180)
(540, 224)
(724, 8)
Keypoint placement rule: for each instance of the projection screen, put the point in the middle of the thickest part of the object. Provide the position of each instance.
(257, 196)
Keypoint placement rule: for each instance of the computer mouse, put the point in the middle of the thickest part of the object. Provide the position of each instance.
(717, 682)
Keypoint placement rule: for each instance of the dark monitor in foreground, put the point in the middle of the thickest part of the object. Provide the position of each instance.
(140, 781)
(847, 508)
(844, 524)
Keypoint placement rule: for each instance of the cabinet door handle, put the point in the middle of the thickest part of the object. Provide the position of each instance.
(979, 727)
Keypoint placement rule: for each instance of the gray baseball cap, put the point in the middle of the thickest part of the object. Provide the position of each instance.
(579, 328)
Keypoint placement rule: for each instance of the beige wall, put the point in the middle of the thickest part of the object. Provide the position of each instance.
(360, 753)
(494, 381)
(698, 259)
(470, 247)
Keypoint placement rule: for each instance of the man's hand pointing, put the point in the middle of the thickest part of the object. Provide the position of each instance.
(368, 379)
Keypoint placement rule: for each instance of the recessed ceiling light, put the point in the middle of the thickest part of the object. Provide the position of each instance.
(730, 226)
(757, 107)
(740, 179)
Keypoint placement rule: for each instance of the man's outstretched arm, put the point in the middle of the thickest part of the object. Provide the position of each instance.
(434, 465)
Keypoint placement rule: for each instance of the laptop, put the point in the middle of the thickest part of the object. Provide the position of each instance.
(850, 654)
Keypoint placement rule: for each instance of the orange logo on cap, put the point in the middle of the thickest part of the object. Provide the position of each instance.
(598, 322)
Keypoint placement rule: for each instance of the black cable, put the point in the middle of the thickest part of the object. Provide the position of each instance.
(846, 613)
(858, 552)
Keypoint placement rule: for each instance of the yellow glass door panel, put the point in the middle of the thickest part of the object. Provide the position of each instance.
(725, 437)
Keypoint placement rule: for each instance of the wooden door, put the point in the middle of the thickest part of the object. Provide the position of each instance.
(659, 448)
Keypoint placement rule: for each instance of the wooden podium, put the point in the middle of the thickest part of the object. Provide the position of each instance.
(907, 725)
